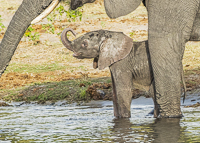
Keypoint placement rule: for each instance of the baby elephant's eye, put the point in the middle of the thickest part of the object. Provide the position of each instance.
(84, 44)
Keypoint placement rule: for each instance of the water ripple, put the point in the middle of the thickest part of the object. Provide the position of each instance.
(94, 122)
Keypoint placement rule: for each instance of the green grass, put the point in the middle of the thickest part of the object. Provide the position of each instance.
(53, 91)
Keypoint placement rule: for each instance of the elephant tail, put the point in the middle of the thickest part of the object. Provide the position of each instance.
(184, 86)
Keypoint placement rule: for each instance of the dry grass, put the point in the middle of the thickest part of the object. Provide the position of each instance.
(10, 4)
(191, 58)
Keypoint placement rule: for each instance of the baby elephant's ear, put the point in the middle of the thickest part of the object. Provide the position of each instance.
(113, 49)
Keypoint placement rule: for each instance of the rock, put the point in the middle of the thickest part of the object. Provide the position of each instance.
(101, 93)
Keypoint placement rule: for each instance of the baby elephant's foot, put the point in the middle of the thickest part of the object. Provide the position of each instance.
(123, 115)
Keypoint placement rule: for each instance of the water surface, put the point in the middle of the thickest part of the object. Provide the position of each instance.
(94, 122)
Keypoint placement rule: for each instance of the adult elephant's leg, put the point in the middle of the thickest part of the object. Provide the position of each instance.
(122, 91)
(28, 10)
(170, 26)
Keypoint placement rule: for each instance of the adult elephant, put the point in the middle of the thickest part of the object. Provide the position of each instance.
(171, 24)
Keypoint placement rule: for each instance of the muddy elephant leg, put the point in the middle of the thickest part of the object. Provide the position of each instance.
(167, 79)
(166, 130)
(169, 29)
(122, 93)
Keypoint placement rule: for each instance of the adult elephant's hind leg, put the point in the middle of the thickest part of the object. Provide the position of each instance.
(169, 28)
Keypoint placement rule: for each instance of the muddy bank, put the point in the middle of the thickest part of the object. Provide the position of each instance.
(73, 88)
(75, 91)
(78, 90)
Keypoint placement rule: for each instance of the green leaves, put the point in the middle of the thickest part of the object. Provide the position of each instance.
(74, 14)
(132, 34)
(49, 27)
(1, 25)
(61, 10)
(33, 36)
(59, 13)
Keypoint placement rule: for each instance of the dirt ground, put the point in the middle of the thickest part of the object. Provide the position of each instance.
(50, 61)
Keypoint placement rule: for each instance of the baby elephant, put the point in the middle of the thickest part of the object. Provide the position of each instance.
(129, 63)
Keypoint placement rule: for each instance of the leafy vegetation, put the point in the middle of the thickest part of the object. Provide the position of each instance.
(72, 16)
(82, 93)
(1, 24)
(50, 28)
(131, 34)
(32, 35)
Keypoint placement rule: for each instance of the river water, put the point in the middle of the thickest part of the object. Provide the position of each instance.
(94, 122)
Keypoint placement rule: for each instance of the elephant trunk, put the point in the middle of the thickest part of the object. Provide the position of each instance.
(27, 11)
(78, 3)
(65, 40)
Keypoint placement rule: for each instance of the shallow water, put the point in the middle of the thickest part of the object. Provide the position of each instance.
(94, 122)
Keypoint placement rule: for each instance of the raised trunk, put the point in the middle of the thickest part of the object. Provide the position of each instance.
(64, 39)
(28, 10)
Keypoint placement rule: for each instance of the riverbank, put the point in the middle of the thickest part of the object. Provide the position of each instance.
(71, 91)
(79, 91)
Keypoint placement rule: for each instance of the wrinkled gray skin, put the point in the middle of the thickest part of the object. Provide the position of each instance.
(171, 25)
(128, 62)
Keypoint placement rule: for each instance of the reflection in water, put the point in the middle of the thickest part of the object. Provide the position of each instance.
(95, 123)
(161, 131)
(166, 130)
(122, 130)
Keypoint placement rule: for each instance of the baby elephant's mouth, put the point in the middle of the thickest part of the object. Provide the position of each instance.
(78, 55)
